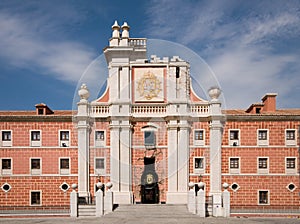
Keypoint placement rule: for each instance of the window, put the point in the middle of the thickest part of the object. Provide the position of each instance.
(100, 166)
(64, 135)
(35, 198)
(6, 138)
(290, 165)
(199, 137)
(234, 137)
(149, 138)
(6, 135)
(199, 165)
(64, 166)
(64, 138)
(35, 165)
(263, 167)
(290, 137)
(263, 197)
(262, 137)
(35, 138)
(6, 167)
(99, 138)
(234, 165)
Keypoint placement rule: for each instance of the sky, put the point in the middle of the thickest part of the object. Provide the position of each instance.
(252, 47)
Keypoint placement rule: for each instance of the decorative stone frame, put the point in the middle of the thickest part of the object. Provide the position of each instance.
(234, 170)
(100, 143)
(268, 202)
(199, 170)
(64, 143)
(5, 172)
(263, 170)
(263, 142)
(6, 143)
(35, 171)
(199, 142)
(290, 142)
(291, 171)
(35, 143)
(100, 171)
(64, 171)
(30, 192)
(234, 142)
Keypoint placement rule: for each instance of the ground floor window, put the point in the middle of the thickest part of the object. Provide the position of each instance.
(263, 197)
(35, 198)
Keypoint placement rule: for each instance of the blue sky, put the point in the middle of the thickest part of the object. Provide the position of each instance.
(253, 47)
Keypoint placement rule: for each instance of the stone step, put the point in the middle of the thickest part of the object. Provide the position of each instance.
(86, 210)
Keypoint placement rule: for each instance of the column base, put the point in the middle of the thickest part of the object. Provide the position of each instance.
(124, 198)
(177, 197)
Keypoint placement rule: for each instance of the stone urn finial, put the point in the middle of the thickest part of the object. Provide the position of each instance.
(84, 92)
(214, 92)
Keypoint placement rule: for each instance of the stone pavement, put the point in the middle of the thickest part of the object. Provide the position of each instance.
(150, 214)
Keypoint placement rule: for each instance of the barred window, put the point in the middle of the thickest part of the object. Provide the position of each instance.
(290, 135)
(262, 135)
(35, 136)
(263, 163)
(199, 134)
(6, 135)
(234, 135)
(290, 163)
(234, 163)
(64, 135)
(199, 163)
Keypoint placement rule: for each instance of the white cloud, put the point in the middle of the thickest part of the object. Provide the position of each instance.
(240, 41)
(24, 45)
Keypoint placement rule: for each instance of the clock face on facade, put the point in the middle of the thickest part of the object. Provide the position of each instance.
(149, 86)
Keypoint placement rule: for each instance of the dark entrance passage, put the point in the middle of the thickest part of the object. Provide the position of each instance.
(149, 182)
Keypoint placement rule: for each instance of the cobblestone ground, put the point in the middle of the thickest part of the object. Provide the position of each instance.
(145, 214)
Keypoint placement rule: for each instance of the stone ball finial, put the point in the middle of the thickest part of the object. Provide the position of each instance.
(201, 185)
(74, 186)
(109, 185)
(225, 185)
(214, 92)
(84, 92)
(99, 185)
(191, 185)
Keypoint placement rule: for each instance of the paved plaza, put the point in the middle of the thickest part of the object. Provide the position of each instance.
(150, 214)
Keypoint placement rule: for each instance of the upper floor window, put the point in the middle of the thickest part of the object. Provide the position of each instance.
(290, 165)
(6, 166)
(64, 166)
(290, 137)
(263, 137)
(100, 165)
(263, 166)
(100, 138)
(149, 138)
(199, 164)
(199, 137)
(64, 138)
(234, 165)
(35, 138)
(234, 137)
(35, 165)
(6, 138)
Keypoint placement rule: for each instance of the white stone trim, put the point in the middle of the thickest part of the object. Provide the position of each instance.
(258, 196)
(100, 143)
(238, 186)
(67, 142)
(35, 171)
(100, 171)
(199, 142)
(263, 142)
(6, 143)
(261, 170)
(234, 142)
(64, 171)
(41, 197)
(291, 171)
(287, 187)
(7, 172)
(35, 143)
(290, 142)
(199, 170)
(234, 170)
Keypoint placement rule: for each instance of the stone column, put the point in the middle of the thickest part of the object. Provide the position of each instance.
(83, 128)
(216, 129)
(74, 202)
(115, 154)
(99, 200)
(226, 201)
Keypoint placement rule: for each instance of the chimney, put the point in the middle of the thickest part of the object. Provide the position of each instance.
(269, 101)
